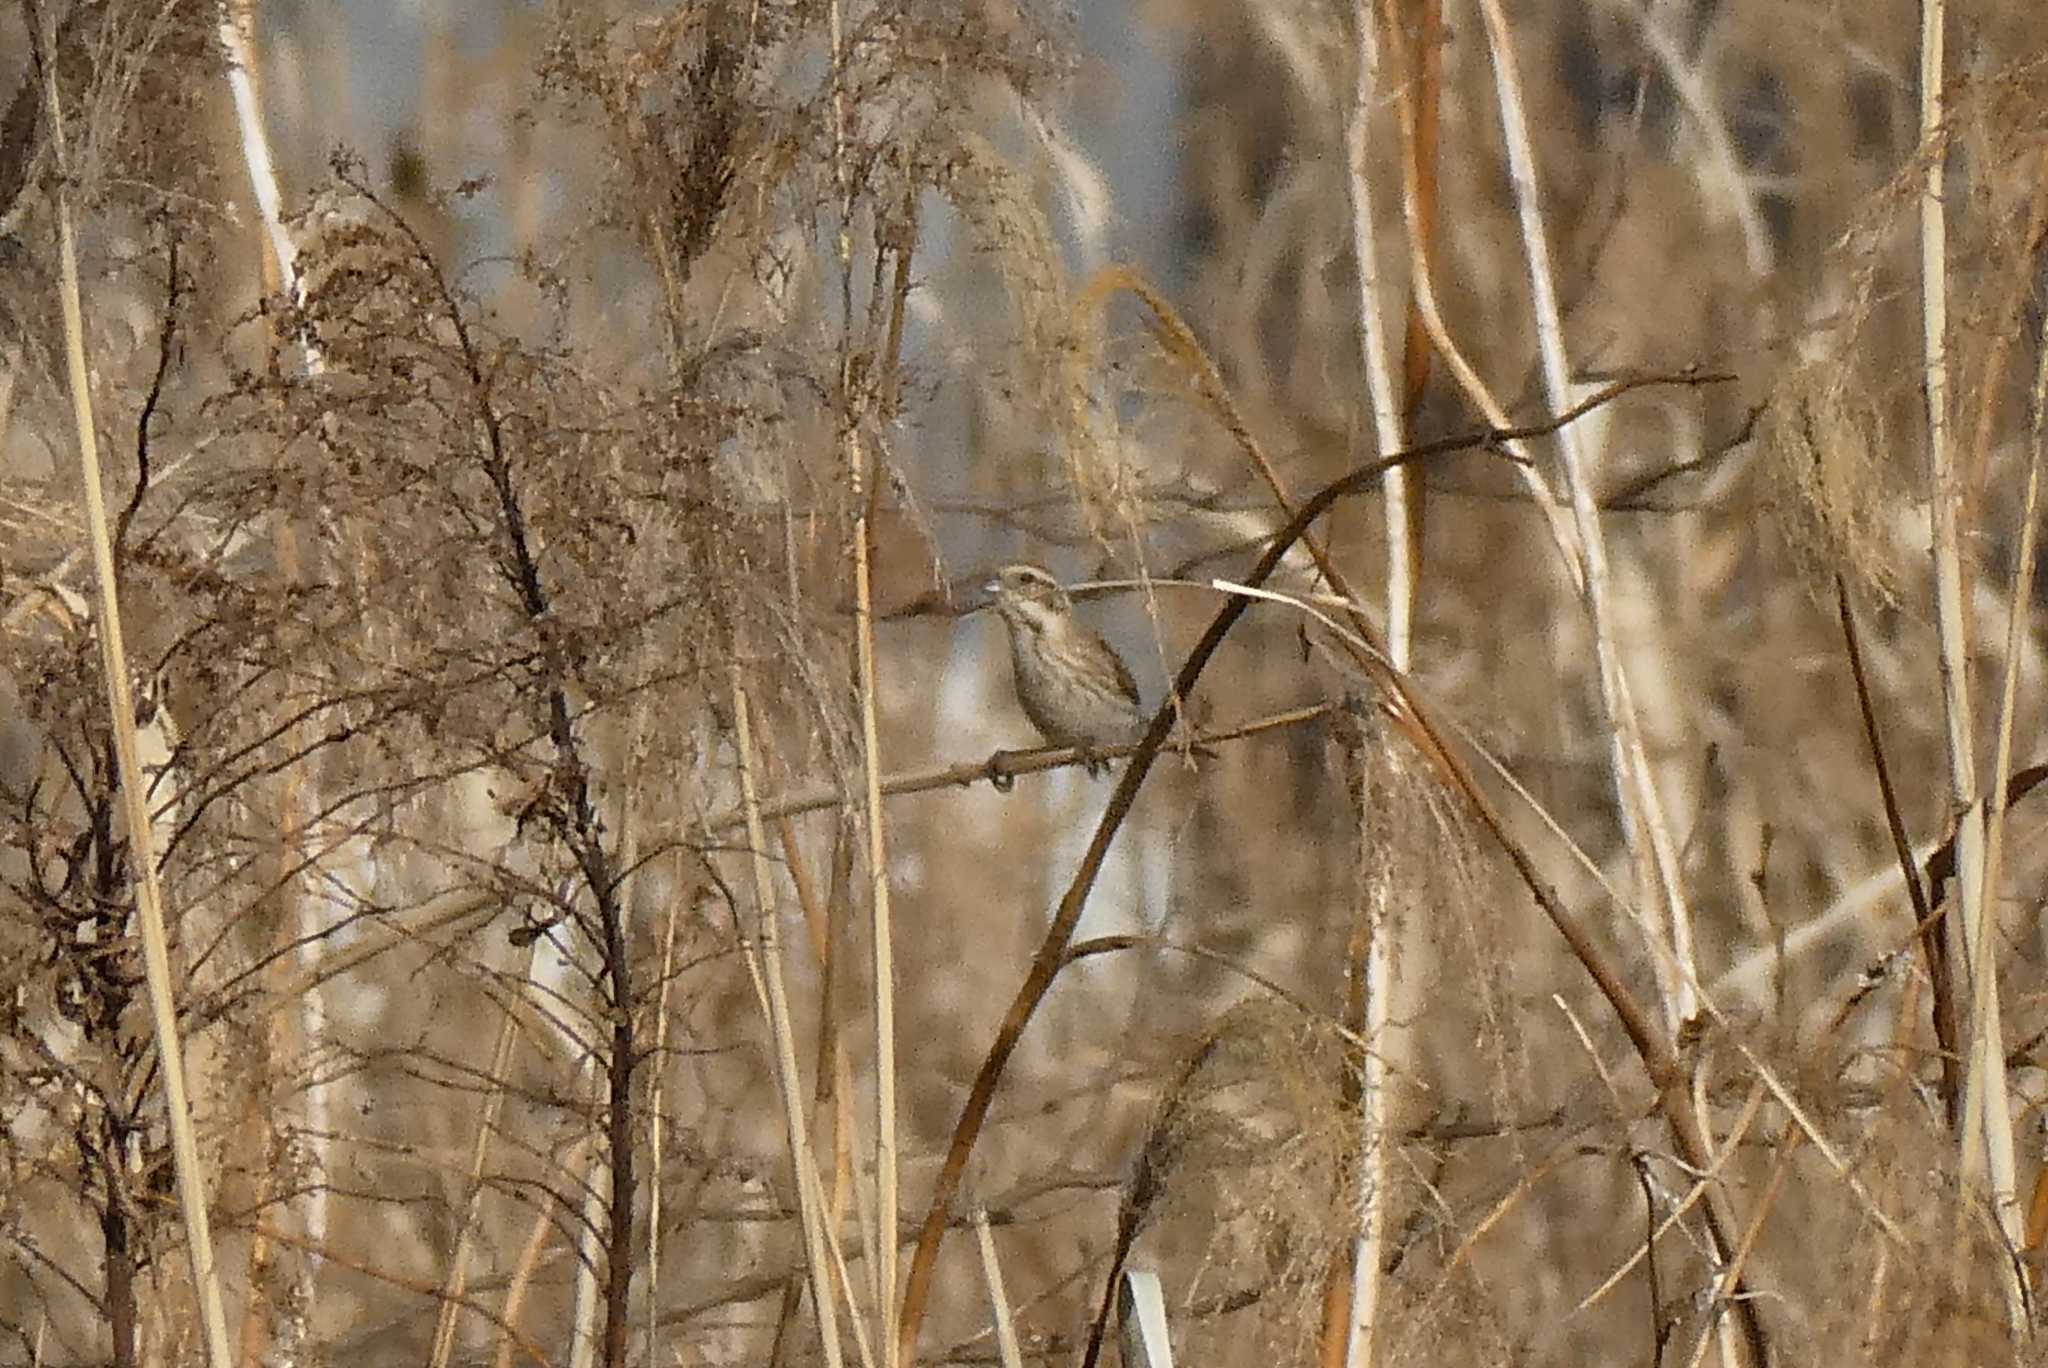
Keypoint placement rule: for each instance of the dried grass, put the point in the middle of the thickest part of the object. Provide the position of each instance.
(446, 641)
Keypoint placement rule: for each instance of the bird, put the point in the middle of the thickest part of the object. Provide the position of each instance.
(1071, 683)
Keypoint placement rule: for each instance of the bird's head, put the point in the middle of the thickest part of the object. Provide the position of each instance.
(1027, 595)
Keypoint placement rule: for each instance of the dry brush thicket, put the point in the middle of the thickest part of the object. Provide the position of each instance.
(497, 600)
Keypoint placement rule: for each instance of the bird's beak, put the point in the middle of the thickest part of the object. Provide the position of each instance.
(992, 587)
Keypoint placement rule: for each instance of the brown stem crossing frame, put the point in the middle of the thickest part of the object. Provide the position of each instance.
(1657, 1053)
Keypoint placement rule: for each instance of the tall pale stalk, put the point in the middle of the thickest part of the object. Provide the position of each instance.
(854, 453)
(1386, 1045)
(764, 963)
(149, 908)
(1987, 1143)
(1634, 777)
(314, 919)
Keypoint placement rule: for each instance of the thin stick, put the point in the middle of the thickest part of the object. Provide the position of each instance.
(1004, 767)
(134, 782)
(1933, 949)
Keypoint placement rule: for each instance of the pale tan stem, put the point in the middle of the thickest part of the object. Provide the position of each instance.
(769, 984)
(149, 907)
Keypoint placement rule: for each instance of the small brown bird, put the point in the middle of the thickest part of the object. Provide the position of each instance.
(1070, 682)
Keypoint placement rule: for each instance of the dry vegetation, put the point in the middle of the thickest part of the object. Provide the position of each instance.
(536, 593)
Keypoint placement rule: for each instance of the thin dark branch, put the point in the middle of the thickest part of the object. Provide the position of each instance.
(1004, 767)
(1933, 948)
(1634, 496)
(1051, 953)
(166, 349)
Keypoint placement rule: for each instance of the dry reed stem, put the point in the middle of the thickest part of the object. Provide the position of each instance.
(880, 924)
(1421, 91)
(855, 460)
(192, 1196)
(1989, 1058)
(1402, 551)
(1583, 546)
(1562, 531)
(769, 984)
(1376, 982)
(1635, 780)
(575, 1162)
(1007, 1352)
(829, 1061)
(656, 1130)
(833, 1086)
(472, 1204)
(340, 1259)
(1987, 1140)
